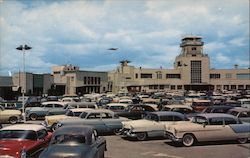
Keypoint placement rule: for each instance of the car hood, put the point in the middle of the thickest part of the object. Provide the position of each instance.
(137, 123)
(66, 151)
(56, 117)
(14, 147)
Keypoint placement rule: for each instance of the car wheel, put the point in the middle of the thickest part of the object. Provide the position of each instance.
(141, 136)
(188, 140)
(33, 117)
(53, 127)
(13, 120)
(117, 131)
(242, 140)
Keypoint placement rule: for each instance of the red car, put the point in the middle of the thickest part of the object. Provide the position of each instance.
(23, 140)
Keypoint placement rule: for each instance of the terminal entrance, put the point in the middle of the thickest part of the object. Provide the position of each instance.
(199, 87)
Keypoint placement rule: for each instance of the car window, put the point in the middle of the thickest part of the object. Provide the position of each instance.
(58, 105)
(136, 108)
(216, 121)
(106, 115)
(235, 113)
(68, 139)
(49, 106)
(69, 113)
(83, 115)
(199, 120)
(229, 121)
(94, 116)
(41, 133)
(166, 118)
(244, 114)
(148, 108)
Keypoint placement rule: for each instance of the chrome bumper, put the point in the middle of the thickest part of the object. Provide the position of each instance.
(128, 133)
(170, 136)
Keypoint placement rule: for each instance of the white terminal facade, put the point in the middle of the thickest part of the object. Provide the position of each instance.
(191, 72)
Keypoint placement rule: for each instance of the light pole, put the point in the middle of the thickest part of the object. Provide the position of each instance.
(23, 48)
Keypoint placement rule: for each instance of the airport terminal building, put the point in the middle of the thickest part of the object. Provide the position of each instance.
(191, 72)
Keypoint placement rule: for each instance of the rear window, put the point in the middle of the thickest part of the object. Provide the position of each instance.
(18, 134)
(68, 139)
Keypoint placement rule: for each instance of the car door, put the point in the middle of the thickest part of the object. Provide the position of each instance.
(215, 130)
(94, 119)
(111, 122)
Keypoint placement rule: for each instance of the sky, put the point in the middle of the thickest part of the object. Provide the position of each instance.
(148, 33)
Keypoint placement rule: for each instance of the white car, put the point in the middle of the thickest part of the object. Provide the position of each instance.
(153, 125)
(209, 127)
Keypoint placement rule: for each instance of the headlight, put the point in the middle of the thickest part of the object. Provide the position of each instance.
(23, 154)
(59, 124)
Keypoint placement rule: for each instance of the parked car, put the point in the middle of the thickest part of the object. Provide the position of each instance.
(153, 125)
(217, 109)
(242, 113)
(75, 142)
(209, 127)
(72, 105)
(51, 121)
(23, 140)
(103, 121)
(40, 112)
(199, 105)
(9, 116)
(11, 105)
(136, 111)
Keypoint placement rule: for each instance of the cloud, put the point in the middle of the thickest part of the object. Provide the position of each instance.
(220, 58)
(146, 32)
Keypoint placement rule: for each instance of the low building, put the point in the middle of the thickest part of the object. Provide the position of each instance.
(191, 72)
(70, 80)
(32, 84)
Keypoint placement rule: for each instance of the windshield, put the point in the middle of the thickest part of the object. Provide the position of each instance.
(83, 115)
(152, 117)
(68, 139)
(18, 134)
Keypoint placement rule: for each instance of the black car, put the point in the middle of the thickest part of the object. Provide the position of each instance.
(75, 142)
(217, 109)
(135, 111)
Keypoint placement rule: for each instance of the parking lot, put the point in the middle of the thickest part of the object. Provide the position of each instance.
(119, 147)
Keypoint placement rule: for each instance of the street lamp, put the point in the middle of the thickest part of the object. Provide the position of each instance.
(23, 48)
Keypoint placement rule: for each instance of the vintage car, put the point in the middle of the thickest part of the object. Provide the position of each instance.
(209, 127)
(135, 111)
(9, 116)
(23, 140)
(153, 125)
(40, 112)
(72, 105)
(199, 105)
(51, 121)
(75, 142)
(242, 113)
(103, 120)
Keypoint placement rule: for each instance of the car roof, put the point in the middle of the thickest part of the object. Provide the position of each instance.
(164, 113)
(212, 115)
(76, 130)
(80, 109)
(219, 107)
(99, 110)
(179, 106)
(240, 109)
(54, 102)
(32, 127)
(117, 104)
(81, 103)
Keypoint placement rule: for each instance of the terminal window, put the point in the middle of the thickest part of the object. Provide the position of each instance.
(196, 71)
